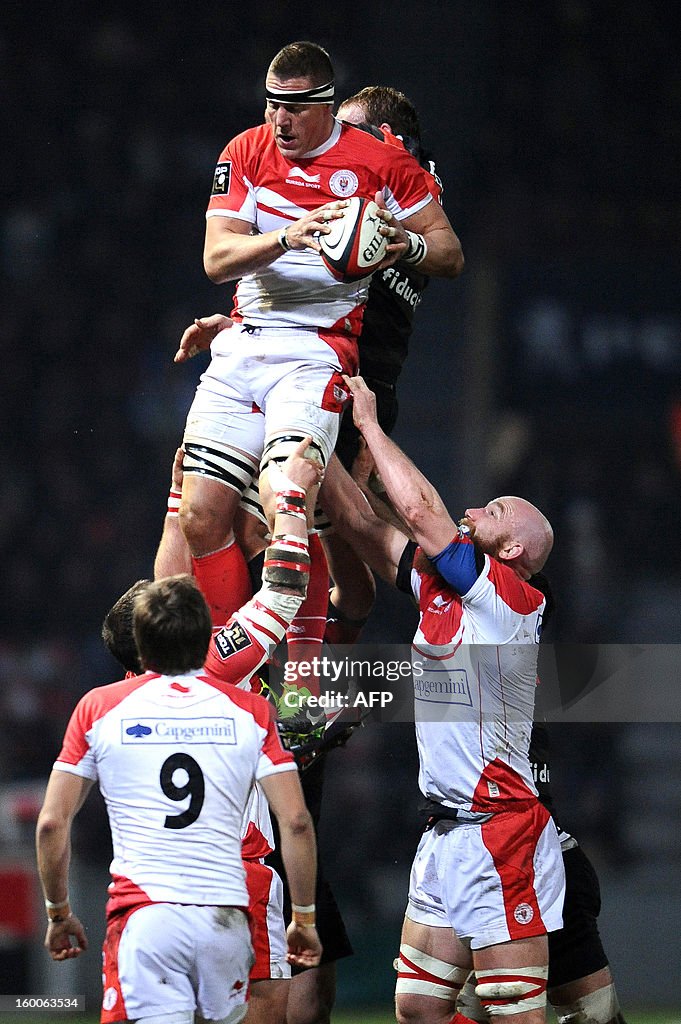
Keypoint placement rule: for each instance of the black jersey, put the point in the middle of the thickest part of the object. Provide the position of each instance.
(539, 763)
(394, 294)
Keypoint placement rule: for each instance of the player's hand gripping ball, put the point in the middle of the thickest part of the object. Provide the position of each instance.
(355, 246)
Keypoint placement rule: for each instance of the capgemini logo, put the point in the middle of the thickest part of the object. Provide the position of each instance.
(138, 730)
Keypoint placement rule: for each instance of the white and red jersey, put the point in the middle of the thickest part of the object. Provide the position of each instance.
(237, 650)
(256, 184)
(176, 759)
(475, 673)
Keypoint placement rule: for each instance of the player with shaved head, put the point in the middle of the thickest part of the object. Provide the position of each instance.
(512, 530)
(487, 881)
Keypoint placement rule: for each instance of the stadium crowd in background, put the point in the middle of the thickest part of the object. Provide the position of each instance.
(96, 234)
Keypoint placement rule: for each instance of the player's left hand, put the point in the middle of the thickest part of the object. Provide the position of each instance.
(199, 335)
(59, 935)
(304, 946)
(298, 469)
(363, 402)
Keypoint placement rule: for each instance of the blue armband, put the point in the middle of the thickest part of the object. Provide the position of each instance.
(457, 564)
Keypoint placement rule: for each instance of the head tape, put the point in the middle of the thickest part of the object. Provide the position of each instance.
(317, 94)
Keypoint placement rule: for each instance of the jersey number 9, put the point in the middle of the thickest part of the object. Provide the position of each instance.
(194, 787)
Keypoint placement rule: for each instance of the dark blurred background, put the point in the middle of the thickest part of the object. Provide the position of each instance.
(552, 369)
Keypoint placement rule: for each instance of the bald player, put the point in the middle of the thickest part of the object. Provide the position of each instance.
(487, 881)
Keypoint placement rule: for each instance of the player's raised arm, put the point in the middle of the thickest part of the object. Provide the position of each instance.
(378, 543)
(414, 498)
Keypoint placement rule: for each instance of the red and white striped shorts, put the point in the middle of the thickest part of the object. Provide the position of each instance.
(491, 881)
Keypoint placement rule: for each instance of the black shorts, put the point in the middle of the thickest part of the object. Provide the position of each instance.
(347, 444)
(332, 933)
(576, 950)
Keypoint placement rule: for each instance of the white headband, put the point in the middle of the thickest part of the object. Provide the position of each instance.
(318, 94)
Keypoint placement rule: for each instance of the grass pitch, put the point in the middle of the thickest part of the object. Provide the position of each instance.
(358, 1016)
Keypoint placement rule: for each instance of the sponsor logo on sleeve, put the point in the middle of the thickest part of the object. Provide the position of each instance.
(222, 179)
(231, 640)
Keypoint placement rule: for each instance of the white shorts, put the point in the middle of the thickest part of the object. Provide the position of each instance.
(166, 960)
(290, 376)
(266, 913)
(491, 882)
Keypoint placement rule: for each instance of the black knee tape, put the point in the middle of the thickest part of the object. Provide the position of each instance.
(288, 442)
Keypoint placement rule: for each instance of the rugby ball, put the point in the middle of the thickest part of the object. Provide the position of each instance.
(354, 247)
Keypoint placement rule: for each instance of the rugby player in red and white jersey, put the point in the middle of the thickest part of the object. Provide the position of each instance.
(276, 188)
(390, 309)
(176, 752)
(487, 880)
(270, 971)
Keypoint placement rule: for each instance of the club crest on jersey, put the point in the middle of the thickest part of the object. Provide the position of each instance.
(231, 640)
(523, 913)
(439, 605)
(343, 183)
(222, 179)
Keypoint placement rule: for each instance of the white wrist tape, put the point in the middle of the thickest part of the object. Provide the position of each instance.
(417, 249)
(280, 482)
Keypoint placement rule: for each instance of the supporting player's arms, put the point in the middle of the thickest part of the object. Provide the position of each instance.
(378, 543)
(415, 499)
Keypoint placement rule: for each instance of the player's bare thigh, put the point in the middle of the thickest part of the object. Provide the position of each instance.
(267, 1000)
(312, 995)
(442, 944)
(207, 513)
